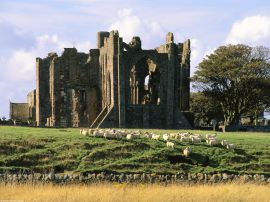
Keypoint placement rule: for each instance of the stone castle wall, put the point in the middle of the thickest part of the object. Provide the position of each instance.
(117, 84)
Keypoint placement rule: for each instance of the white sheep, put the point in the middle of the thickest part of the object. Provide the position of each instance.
(230, 146)
(197, 135)
(155, 137)
(187, 151)
(81, 131)
(90, 131)
(224, 143)
(184, 139)
(130, 136)
(84, 132)
(173, 135)
(108, 135)
(166, 137)
(98, 133)
(148, 135)
(212, 142)
(184, 134)
(170, 144)
(196, 140)
(177, 136)
(209, 136)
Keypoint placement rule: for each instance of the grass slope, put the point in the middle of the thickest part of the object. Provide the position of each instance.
(66, 150)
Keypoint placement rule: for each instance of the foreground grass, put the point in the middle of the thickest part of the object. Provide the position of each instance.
(123, 192)
(65, 150)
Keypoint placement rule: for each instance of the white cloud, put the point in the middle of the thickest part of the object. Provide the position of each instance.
(128, 24)
(18, 68)
(252, 30)
(21, 63)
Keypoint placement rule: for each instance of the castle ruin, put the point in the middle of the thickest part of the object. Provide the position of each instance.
(117, 84)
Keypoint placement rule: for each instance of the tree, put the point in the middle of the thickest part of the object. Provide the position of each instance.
(238, 77)
(205, 108)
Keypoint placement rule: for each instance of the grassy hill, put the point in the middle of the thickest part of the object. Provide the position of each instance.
(66, 150)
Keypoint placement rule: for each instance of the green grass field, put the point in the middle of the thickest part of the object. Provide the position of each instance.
(65, 150)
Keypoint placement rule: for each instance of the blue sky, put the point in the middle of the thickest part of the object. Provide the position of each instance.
(31, 28)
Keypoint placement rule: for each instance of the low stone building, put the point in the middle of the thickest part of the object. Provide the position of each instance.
(117, 84)
(24, 112)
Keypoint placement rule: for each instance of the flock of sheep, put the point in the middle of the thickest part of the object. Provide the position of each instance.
(211, 139)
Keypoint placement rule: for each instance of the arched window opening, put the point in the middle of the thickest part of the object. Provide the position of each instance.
(144, 82)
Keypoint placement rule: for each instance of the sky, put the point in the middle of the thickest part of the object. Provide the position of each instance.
(32, 28)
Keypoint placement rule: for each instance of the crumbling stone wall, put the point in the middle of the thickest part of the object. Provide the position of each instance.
(19, 111)
(116, 85)
(69, 89)
(24, 112)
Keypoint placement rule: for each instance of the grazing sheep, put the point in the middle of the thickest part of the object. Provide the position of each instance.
(209, 136)
(184, 134)
(84, 132)
(230, 146)
(155, 137)
(148, 135)
(107, 135)
(196, 140)
(136, 135)
(90, 131)
(81, 131)
(184, 139)
(173, 135)
(224, 143)
(130, 136)
(197, 135)
(98, 133)
(212, 142)
(187, 151)
(166, 137)
(177, 136)
(170, 144)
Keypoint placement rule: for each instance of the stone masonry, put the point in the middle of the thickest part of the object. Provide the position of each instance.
(117, 84)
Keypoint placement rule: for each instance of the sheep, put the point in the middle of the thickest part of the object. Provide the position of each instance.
(212, 142)
(98, 133)
(166, 137)
(170, 144)
(196, 135)
(148, 135)
(90, 131)
(177, 136)
(184, 134)
(224, 143)
(184, 139)
(121, 134)
(208, 136)
(81, 131)
(84, 132)
(136, 131)
(155, 137)
(130, 136)
(136, 135)
(108, 135)
(230, 146)
(195, 140)
(173, 135)
(187, 151)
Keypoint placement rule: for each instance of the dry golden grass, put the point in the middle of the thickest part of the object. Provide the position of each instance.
(123, 192)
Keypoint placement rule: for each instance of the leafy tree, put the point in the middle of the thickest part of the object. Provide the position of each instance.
(205, 108)
(238, 77)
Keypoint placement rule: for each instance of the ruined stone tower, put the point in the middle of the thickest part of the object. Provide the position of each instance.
(116, 85)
